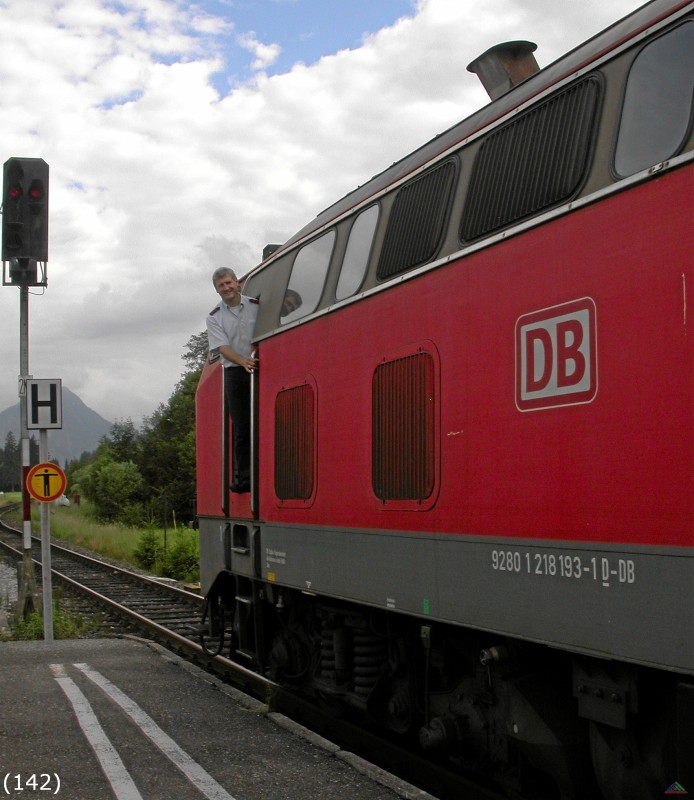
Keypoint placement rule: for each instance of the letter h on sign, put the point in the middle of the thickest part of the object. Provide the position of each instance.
(44, 404)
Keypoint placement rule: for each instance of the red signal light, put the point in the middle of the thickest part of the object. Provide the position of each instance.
(24, 220)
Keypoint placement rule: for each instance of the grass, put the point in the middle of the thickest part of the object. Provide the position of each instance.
(9, 498)
(77, 525)
(67, 624)
(173, 554)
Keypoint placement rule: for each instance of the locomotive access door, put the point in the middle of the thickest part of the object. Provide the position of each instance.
(255, 450)
(235, 505)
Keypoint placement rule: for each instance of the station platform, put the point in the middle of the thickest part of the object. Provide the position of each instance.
(127, 719)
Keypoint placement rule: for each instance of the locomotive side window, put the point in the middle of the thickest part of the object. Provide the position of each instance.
(657, 112)
(417, 220)
(404, 428)
(532, 163)
(295, 443)
(307, 278)
(357, 253)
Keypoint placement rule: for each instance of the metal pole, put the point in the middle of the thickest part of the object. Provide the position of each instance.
(27, 600)
(46, 577)
(165, 510)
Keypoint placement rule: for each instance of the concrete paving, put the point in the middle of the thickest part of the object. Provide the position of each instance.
(126, 719)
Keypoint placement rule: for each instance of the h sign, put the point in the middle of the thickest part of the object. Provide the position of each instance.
(556, 356)
(44, 404)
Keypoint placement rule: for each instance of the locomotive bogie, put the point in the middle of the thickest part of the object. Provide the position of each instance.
(530, 717)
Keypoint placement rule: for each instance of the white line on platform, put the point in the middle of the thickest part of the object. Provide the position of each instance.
(118, 776)
(201, 779)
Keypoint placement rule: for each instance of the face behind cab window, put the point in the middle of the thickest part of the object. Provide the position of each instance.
(307, 278)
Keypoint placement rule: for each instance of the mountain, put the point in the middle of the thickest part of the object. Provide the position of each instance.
(82, 429)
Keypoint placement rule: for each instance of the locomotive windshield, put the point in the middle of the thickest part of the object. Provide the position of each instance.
(657, 114)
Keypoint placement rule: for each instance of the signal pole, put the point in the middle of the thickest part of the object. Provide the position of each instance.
(24, 243)
(27, 600)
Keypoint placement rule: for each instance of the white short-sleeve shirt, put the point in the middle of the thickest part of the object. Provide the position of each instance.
(232, 326)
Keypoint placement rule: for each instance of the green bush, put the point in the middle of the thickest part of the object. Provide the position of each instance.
(65, 625)
(181, 561)
(148, 550)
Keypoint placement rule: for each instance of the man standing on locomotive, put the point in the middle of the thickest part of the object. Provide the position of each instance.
(230, 327)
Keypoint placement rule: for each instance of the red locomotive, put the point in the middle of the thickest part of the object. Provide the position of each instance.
(472, 508)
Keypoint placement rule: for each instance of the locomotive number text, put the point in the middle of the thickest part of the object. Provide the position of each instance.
(565, 565)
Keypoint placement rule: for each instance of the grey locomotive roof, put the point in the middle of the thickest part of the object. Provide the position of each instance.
(584, 54)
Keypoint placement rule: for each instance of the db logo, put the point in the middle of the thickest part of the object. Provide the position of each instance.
(556, 356)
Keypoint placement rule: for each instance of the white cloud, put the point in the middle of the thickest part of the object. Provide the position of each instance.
(155, 179)
(265, 54)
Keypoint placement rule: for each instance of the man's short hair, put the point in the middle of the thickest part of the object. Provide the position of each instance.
(220, 272)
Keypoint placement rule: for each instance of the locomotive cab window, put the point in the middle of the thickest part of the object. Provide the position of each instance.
(357, 253)
(657, 112)
(307, 278)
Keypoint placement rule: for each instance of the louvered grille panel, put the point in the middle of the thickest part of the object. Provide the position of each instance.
(532, 164)
(294, 443)
(404, 428)
(416, 222)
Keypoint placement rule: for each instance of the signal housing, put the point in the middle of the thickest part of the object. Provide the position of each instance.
(25, 211)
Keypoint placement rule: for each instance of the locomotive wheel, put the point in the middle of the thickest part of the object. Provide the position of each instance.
(622, 765)
(212, 626)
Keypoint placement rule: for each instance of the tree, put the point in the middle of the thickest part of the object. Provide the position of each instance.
(11, 462)
(168, 447)
(131, 469)
(120, 492)
(196, 352)
(125, 441)
(115, 488)
(84, 477)
(11, 475)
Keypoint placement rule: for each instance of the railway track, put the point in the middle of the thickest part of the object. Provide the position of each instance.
(171, 616)
(153, 608)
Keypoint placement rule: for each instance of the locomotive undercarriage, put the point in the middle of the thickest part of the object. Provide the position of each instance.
(538, 721)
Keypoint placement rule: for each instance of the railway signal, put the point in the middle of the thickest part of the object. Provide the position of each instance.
(24, 256)
(25, 218)
(23, 272)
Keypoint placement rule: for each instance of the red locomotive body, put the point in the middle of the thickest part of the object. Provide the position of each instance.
(473, 502)
(616, 468)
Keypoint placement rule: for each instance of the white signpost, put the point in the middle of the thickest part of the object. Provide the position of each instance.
(44, 411)
(44, 405)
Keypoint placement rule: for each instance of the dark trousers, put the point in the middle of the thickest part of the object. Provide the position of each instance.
(237, 386)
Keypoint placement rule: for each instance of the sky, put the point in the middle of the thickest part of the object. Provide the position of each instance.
(183, 136)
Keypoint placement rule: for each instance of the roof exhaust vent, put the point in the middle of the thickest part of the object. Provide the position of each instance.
(269, 249)
(504, 66)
